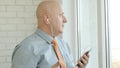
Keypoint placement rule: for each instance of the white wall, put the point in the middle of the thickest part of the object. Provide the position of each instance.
(17, 21)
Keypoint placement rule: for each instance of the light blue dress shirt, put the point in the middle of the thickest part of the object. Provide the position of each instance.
(36, 51)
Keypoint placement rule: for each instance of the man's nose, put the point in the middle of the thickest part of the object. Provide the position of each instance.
(64, 19)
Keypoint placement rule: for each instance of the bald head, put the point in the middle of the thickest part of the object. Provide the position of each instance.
(47, 8)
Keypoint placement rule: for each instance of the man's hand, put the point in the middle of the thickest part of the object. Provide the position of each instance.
(56, 65)
(83, 61)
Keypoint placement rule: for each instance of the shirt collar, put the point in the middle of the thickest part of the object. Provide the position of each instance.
(44, 35)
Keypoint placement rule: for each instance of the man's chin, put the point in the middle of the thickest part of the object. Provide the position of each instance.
(58, 33)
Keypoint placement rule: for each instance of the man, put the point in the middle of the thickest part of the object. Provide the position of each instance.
(39, 50)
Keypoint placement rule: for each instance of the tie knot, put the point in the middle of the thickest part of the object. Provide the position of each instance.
(54, 42)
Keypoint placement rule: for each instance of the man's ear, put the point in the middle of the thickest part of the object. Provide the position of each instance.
(45, 19)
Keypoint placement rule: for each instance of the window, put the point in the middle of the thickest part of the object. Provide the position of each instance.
(93, 31)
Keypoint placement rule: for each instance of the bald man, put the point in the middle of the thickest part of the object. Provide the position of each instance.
(36, 51)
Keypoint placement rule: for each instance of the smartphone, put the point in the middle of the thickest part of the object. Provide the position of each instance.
(86, 51)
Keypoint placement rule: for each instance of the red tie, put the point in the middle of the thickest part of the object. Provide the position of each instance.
(61, 61)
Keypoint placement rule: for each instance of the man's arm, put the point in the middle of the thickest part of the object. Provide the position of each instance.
(24, 57)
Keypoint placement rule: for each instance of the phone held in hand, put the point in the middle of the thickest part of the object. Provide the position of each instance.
(86, 51)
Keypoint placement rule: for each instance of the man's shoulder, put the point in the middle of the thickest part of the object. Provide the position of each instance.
(34, 38)
(32, 41)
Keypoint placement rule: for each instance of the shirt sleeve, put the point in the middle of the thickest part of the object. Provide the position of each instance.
(24, 57)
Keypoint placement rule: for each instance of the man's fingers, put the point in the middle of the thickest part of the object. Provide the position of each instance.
(83, 61)
(80, 64)
(86, 57)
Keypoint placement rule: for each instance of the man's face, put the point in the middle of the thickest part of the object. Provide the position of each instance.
(58, 21)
